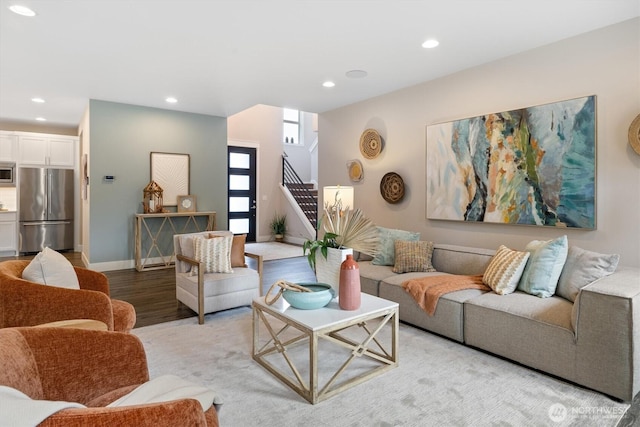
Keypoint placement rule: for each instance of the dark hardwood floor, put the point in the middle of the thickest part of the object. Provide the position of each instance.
(153, 292)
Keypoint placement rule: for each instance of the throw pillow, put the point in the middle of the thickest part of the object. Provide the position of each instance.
(187, 245)
(413, 256)
(540, 276)
(387, 248)
(504, 270)
(51, 268)
(237, 251)
(214, 253)
(584, 267)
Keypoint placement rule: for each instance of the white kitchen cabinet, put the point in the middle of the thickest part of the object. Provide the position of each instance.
(47, 151)
(8, 150)
(8, 232)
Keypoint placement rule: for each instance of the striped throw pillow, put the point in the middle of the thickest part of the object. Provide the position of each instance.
(504, 270)
(214, 253)
(413, 256)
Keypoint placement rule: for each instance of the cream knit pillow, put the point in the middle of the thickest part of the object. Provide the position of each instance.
(214, 253)
(504, 270)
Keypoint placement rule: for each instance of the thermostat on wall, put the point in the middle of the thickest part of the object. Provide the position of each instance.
(109, 178)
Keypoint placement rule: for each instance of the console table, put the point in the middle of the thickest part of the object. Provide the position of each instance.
(160, 237)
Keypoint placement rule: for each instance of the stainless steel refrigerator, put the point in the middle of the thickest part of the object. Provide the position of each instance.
(46, 209)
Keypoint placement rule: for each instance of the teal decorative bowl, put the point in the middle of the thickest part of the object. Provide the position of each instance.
(321, 295)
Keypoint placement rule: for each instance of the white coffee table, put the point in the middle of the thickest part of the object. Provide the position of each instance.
(290, 327)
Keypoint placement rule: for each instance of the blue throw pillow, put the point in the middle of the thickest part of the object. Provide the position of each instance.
(387, 249)
(540, 276)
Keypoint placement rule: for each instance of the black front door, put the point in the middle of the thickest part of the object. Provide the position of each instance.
(241, 195)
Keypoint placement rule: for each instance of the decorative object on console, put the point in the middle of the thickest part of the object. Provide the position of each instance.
(349, 297)
(370, 144)
(187, 203)
(634, 134)
(171, 171)
(152, 198)
(392, 187)
(356, 172)
(531, 166)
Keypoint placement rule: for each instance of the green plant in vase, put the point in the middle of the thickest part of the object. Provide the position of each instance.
(279, 227)
(342, 229)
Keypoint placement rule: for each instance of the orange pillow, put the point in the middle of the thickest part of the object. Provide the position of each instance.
(237, 251)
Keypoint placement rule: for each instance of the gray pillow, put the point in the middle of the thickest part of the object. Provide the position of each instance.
(583, 267)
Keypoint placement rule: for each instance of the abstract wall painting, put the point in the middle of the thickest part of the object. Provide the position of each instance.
(531, 166)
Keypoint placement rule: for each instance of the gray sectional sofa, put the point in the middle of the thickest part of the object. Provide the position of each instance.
(594, 341)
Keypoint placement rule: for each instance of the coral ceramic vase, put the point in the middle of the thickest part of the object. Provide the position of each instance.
(349, 291)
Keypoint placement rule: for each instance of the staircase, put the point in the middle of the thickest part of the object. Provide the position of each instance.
(307, 198)
(304, 194)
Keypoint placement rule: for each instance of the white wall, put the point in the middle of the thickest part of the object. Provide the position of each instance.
(605, 63)
(261, 126)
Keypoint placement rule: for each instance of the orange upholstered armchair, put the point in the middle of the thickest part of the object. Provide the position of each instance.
(92, 368)
(24, 303)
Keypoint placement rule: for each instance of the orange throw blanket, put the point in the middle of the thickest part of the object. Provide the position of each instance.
(427, 290)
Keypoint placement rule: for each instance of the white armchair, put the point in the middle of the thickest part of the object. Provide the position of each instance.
(210, 292)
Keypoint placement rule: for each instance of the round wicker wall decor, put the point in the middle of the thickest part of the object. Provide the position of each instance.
(370, 143)
(356, 173)
(392, 187)
(634, 134)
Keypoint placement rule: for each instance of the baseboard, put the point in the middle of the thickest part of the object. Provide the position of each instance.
(295, 240)
(111, 265)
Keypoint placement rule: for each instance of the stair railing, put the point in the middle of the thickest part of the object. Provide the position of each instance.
(298, 189)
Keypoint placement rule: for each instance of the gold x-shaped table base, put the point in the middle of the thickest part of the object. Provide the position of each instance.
(384, 355)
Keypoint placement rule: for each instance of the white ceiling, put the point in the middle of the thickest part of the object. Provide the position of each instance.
(220, 57)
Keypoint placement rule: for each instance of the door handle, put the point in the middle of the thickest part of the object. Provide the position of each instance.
(32, 224)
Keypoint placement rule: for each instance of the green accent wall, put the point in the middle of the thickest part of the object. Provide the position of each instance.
(122, 137)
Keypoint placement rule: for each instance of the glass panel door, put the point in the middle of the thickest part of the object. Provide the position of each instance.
(242, 191)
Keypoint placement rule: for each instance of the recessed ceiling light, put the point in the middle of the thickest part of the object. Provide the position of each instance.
(328, 84)
(21, 10)
(430, 44)
(171, 100)
(38, 100)
(41, 119)
(356, 74)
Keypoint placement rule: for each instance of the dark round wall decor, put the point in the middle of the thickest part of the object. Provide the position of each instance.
(392, 187)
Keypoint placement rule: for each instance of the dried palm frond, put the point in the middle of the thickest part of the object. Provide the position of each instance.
(352, 229)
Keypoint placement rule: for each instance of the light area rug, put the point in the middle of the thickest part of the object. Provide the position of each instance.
(274, 250)
(438, 383)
